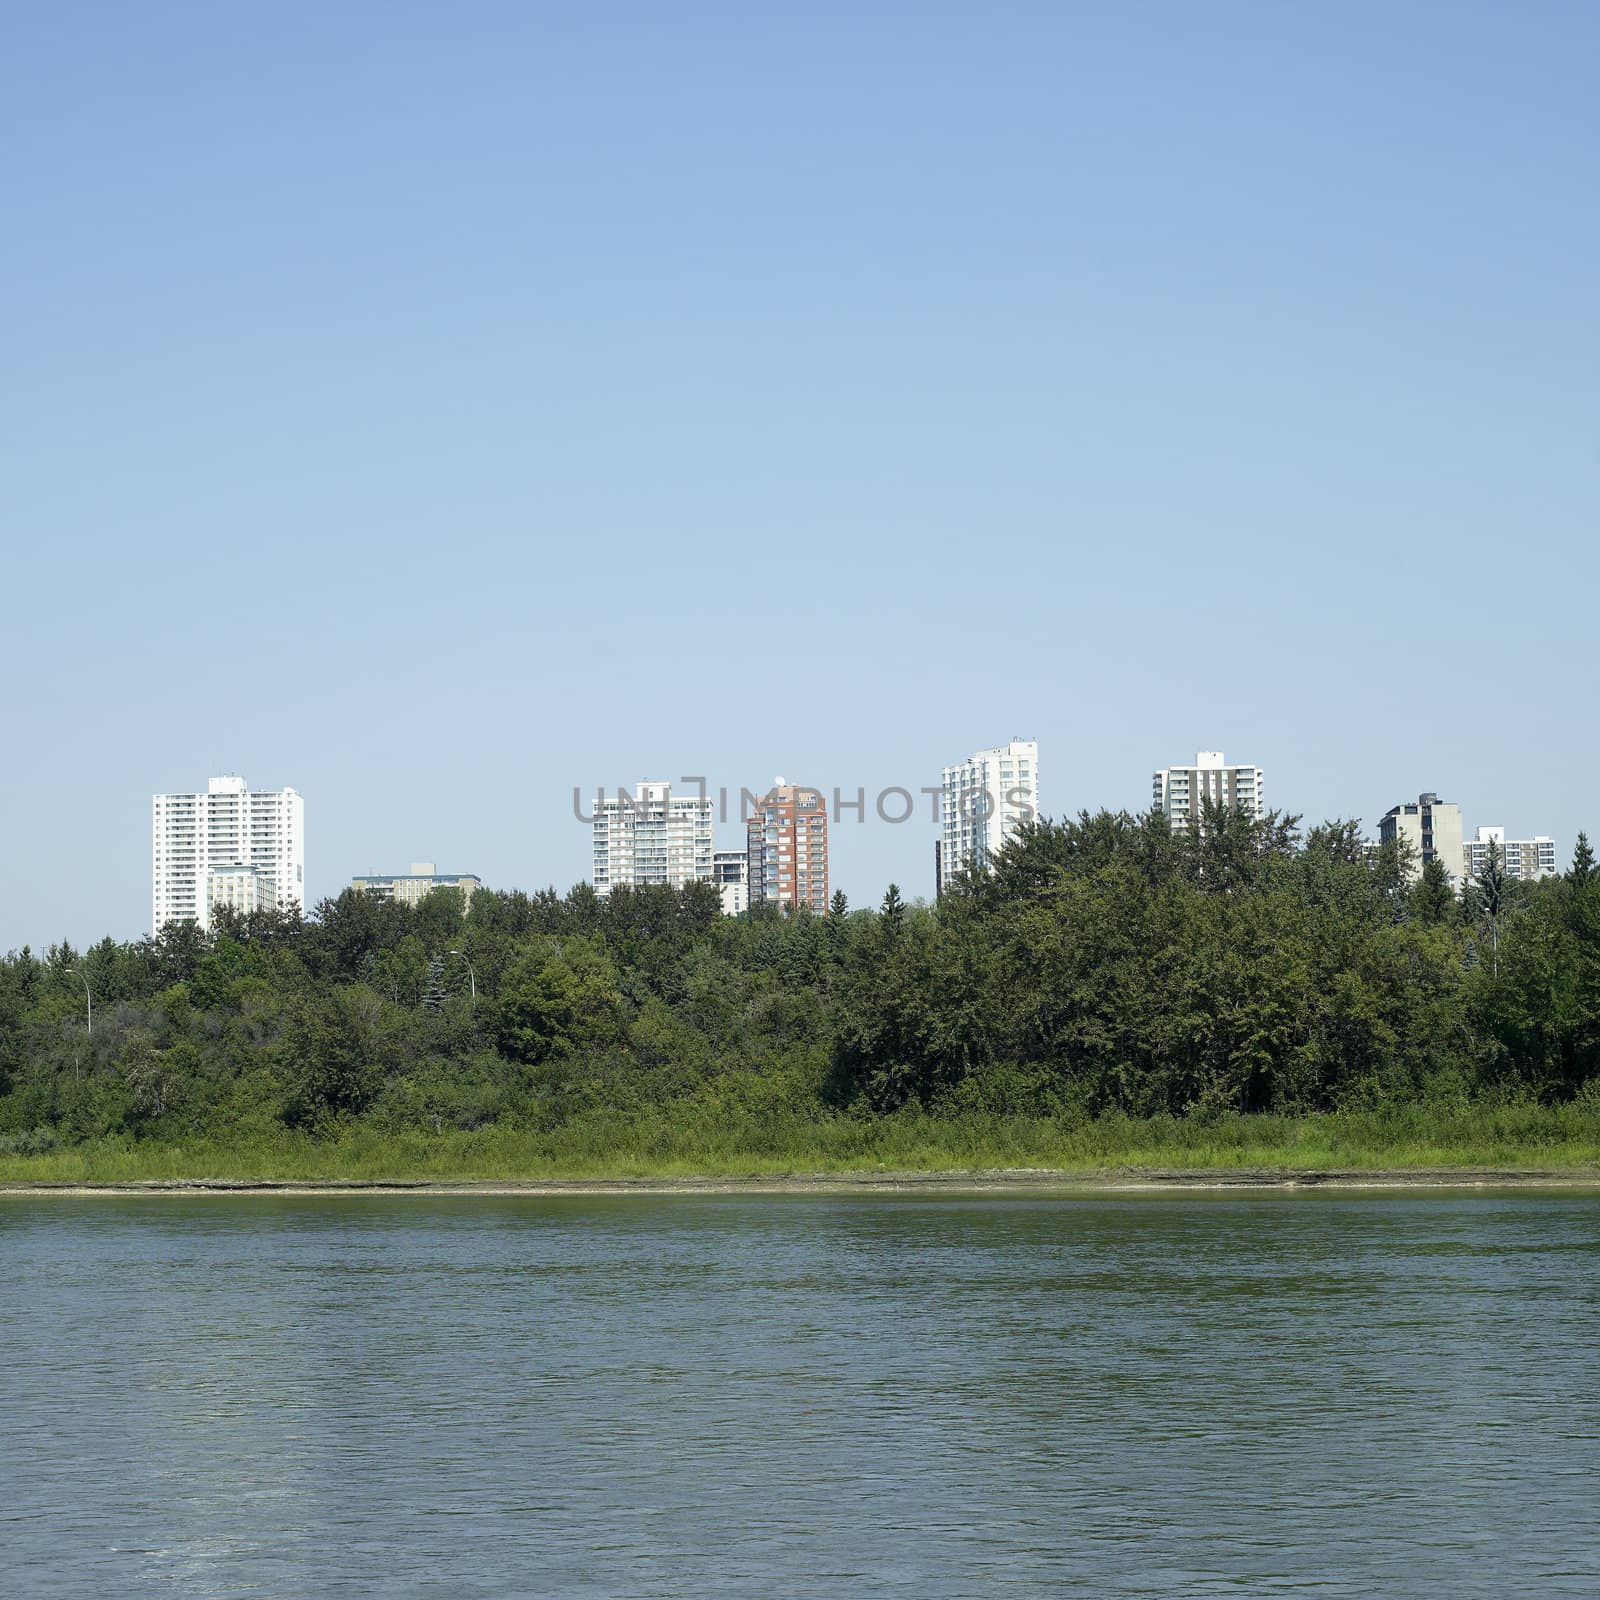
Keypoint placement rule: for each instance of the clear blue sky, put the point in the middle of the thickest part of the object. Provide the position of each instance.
(437, 407)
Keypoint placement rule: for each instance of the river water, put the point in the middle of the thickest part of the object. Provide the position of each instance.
(1352, 1394)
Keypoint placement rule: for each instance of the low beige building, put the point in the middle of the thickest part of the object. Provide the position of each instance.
(407, 888)
(240, 889)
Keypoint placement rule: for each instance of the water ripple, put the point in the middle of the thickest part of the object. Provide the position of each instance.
(1260, 1395)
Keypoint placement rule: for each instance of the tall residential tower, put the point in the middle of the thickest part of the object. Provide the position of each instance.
(231, 846)
(787, 837)
(651, 836)
(983, 800)
(1432, 827)
(1180, 793)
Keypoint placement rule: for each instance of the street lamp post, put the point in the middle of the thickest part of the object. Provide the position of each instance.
(88, 999)
(472, 977)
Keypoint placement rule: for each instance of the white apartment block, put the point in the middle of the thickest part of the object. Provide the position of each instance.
(1432, 827)
(651, 836)
(1522, 858)
(730, 871)
(983, 801)
(231, 846)
(1180, 793)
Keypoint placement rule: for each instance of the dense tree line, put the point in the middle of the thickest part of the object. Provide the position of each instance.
(1103, 963)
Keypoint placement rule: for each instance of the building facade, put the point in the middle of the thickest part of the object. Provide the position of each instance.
(232, 845)
(238, 889)
(1432, 827)
(982, 802)
(1180, 793)
(651, 837)
(407, 888)
(1522, 858)
(730, 871)
(787, 854)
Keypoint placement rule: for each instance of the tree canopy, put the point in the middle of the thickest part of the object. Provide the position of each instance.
(1105, 962)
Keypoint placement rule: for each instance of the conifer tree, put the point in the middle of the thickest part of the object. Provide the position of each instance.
(433, 995)
(1490, 899)
(1582, 869)
(893, 910)
(1433, 900)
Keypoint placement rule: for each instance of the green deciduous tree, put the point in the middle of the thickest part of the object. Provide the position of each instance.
(562, 997)
(337, 1054)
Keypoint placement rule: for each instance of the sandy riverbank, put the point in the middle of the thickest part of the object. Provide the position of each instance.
(1000, 1180)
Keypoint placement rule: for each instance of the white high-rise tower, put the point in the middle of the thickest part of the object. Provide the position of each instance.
(651, 836)
(1181, 792)
(231, 846)
(984, 800)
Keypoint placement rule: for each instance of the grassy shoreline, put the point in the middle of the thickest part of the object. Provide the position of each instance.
(1464, 1141)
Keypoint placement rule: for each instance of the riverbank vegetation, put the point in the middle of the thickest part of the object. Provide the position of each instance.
(1518, 1137)
(1110, 994)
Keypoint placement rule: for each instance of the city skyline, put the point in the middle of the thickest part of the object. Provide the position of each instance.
(1099, 376)
(647, 834)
